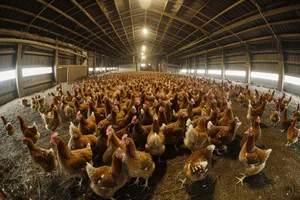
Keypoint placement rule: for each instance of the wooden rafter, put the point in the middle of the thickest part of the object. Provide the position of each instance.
(129, 2)
(103, 9)
(78, 23)
(239, 23)
(98, 25)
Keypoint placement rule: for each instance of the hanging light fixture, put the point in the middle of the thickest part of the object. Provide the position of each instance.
(145, 31)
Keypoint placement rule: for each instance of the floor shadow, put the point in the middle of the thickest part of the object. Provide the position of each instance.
(202, 189)
(258, 181)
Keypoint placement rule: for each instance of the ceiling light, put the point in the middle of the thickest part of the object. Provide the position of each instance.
(145, 31)
(143, 48)
(142, 53)
(145, 4)
(143, 65)
(143, 57)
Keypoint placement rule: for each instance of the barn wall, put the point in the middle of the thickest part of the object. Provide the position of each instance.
(127, 67)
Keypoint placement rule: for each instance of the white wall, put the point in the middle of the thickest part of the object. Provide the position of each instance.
(127, 68)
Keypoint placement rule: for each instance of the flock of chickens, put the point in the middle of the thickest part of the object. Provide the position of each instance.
(124, 123)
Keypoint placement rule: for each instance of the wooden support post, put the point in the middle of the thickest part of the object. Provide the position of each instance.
(55, 65)
(206, 65)
(187, 65)
(94, 62)
(18, 68)
(223, 66)
(280, 83)
(248, 68)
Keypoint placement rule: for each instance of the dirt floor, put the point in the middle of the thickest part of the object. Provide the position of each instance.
(21, 179)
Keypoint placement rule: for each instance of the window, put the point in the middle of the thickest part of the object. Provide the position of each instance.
(36, 71)
(91, 69)
(235, 73)
(292, 80)
(214, 72)
(183, 71)
(200, 71)
(143, 65)
(98, 69)
(192, 71)
(263, 75)
(7, 75)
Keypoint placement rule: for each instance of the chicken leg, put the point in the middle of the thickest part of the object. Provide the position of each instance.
(241, 179)
(136, 182)
(145, 185)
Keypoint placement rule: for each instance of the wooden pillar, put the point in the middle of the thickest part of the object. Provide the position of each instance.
(94, 62)
(248, 68)
(280, 82)
(18, 69)
(55, 65)
(206, 65)
(187, 65)
(223, 66)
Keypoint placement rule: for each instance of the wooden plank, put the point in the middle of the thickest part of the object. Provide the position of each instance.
(280, 83)
(235, 62)
(248, 68)
(38, 53)
(223, 66)
(292, 63)
(264, 61)
(55, 65)
(7, 52)
(19, 78)
(21, 41)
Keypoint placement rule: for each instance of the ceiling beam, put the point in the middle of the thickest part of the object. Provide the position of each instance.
(240, 23)
(104, 11)
(54, 23)
(79, 24)
(245, 31)
(209, 35)
(168, 24)
(30, 42)
(264, 38)
(98, 25)
(129, 3)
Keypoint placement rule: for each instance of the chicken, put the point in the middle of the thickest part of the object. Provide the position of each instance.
(196, 137)
(52, 120)
(162, 118)
(8, 126)
(139, 132)
(111, 119)
(30, 132)
(198, 163)
(72, 162)
(147, 117)
(69, 111)
(155, 140)
(34, 104)
(25, 102)
(79, 141)
(221, 136)
(106, 180)
(228, 116)
(113, 142)
(86, 126)
(285, 120)
(253, 158)
(256, 130)
(139, 164)
(253, 113)
(275, 115)
(98, 112)
(43, 157)
(292, 134)
(83, 108)
(174, 132)
(241, 98)
(123, 123)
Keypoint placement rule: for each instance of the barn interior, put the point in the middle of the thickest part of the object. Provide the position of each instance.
(65, 62)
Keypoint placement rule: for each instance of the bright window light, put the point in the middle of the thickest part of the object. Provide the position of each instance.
(7, 75)
(200, 71)
(292, 80)
(183, 71)
(149, 64)
(145, 31)
(97, 69)
(36, 71)
(235, 73)
(143, 65)
(214, 71)
(91, 69)
(262, 75)
(192, 71)
(102, 68)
